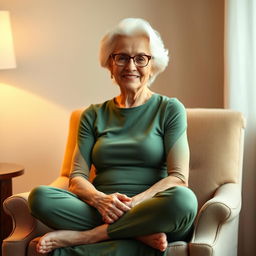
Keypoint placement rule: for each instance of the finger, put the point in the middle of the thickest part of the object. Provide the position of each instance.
(117, 212)
(122, 206)
(110, 218)
(107, 220)
(112, 208)
(123, 197)
(129, 204)
(113, 216)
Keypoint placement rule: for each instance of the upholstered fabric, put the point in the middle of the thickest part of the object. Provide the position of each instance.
(216, 146)
(215, 140)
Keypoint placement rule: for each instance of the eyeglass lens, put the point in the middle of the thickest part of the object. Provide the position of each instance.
(123, 59)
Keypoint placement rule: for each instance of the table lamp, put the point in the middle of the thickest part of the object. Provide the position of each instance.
(7, 56)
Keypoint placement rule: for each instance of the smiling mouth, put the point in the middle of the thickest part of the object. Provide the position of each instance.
(130, 76)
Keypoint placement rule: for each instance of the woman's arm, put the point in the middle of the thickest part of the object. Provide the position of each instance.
(178, 168)
(111, 207)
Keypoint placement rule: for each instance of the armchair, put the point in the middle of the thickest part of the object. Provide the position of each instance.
(216, 145)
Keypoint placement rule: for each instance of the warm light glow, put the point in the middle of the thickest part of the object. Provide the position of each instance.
(7, 57)
(33, 132)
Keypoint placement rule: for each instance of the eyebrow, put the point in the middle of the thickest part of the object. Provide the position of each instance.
(141, 53)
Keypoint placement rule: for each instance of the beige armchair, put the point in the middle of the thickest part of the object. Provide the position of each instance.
(216, 145)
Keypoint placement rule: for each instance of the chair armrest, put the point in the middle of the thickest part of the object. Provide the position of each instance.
(25, 226)
(222, 208)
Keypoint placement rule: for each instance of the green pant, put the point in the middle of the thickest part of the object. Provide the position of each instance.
(171, 211)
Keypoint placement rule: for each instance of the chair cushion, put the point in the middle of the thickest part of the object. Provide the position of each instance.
(177, 249)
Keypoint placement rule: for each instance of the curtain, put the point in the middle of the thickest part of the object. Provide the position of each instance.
(240, 94)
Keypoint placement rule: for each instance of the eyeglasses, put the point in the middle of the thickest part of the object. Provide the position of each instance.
(140, 60)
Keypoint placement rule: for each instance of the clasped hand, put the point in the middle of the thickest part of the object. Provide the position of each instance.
(113, 206)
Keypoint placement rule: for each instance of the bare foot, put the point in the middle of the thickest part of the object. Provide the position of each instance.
(157, 241)
(64, 238)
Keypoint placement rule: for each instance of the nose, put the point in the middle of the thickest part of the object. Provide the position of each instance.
(130, 65)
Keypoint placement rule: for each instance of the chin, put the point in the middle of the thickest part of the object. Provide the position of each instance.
(130, 85)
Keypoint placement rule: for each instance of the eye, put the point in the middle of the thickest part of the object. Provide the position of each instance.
(122, 57)
(140, 59)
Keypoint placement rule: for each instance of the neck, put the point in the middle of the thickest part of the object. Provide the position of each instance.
(128, 99)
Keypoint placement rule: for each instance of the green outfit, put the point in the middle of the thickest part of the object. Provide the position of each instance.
(129, 149)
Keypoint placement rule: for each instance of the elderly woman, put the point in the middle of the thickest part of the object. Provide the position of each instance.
(138, 144)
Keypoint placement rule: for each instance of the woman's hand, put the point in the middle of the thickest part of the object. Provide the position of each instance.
(113, 206)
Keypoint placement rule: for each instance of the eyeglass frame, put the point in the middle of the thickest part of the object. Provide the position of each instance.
(130, 57)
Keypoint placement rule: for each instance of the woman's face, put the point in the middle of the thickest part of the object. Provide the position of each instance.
(129, 76)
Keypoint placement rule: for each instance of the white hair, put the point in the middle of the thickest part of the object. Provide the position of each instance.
(133, 27)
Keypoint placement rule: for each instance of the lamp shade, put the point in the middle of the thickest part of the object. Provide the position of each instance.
(7, 56)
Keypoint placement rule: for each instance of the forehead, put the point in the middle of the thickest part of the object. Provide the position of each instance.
(132, 44)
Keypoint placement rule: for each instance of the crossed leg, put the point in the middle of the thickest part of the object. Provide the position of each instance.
(148, 222)
(64, 238)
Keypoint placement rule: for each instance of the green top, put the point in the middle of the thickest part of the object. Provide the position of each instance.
(128, 146)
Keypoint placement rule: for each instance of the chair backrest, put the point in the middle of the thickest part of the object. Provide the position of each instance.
(216, 139)
(71, 141)
(216, 149)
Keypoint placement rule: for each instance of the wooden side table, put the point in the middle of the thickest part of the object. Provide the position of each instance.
(7, 172)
